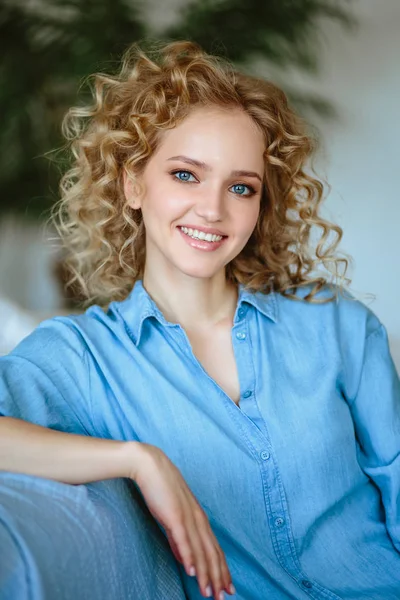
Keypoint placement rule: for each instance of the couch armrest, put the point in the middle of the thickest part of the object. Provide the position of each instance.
(81, 542)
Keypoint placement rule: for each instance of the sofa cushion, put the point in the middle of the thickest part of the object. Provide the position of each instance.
(81, 542)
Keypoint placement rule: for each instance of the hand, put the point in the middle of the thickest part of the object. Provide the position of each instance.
(189, 534)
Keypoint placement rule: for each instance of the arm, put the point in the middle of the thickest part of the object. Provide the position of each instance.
(375, 408)
(46, 420)
(65, 457)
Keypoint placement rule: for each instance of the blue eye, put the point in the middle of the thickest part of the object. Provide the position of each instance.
(241, 185)
(179, 178)
(184, 176)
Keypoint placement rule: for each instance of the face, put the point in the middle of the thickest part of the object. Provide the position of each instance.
(203, 187)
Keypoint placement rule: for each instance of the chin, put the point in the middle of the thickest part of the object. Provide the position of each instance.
(199, 271)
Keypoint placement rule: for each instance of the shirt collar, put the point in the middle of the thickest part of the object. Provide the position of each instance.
(266, 304)
(139, 306)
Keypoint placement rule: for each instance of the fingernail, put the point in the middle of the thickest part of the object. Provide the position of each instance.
(232, 588)
(192, 571)
(208, 591)
(221, 596)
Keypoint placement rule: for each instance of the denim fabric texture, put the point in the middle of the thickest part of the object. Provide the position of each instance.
(300, 482)
(86, 542)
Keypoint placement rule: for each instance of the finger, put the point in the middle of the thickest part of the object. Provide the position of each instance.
(179, 538)
(201, 562)
(225, 572)
(175, 550)
(217, 568)
(214, 567)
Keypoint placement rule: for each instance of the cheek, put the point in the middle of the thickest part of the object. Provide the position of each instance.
(167, 203)
(247, 219)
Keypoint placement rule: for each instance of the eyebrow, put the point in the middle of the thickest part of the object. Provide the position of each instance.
(202, 165)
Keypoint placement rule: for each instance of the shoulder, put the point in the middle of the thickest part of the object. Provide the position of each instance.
(68, 338)
(344, 312)
(334, 332)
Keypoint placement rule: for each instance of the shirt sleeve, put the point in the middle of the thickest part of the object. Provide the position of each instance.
(45, 379)
(375, 409)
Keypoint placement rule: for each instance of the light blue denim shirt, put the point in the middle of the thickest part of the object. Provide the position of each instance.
(300, 482)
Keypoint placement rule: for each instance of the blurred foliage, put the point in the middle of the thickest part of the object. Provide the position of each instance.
(49, 46)
(282, 31)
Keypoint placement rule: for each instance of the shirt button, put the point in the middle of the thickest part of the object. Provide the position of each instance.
(279, 522)
(241, 312)
(306, 583)
(265, 455)
(240, 335)
(247, 394)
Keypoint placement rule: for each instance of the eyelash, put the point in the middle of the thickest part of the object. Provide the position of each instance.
(252, 190)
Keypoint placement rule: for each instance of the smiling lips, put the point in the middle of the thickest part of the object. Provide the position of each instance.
(202, 240)
(197, 234)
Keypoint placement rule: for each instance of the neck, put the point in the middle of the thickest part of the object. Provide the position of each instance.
(194, 303)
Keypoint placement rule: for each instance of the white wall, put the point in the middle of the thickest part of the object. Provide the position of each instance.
(361, 75)
(27, 263)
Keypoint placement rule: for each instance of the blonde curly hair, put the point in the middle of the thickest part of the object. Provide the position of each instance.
(104, 237)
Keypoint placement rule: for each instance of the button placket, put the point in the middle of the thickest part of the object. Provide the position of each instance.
(275, 506)
(279, 528)
(241, 312)
(240, 340)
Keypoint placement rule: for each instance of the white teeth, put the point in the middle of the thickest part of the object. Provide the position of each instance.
(200, 235)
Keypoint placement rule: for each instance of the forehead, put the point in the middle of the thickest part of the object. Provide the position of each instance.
(213, 132)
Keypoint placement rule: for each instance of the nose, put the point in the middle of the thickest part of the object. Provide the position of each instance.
(210, 206)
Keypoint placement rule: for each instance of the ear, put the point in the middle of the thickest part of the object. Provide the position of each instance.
(131, 192)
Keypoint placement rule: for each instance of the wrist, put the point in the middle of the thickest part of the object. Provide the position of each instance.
(132, 456)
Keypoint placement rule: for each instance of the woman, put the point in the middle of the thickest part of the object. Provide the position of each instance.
(254, 402)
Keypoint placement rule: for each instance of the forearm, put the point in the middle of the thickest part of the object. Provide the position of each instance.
(65, 457)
